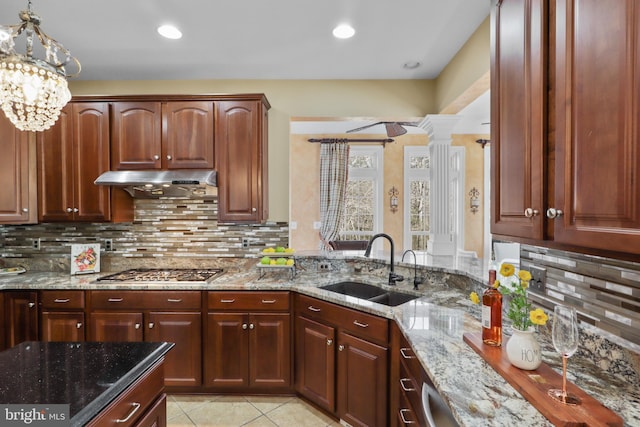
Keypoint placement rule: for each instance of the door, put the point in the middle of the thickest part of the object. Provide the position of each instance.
(270, 350)
(18, 195)
(362, 382)
(597, 166)
(188, 135)
(115, 326)
(183, 364)
(62, 326)
(136, 135)
(315, 362)
(21, 317)
(518, 117)
(227, 350)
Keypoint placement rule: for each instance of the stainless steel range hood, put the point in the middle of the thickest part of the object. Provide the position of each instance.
(162, 183)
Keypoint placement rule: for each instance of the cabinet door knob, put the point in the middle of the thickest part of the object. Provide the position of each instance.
(76, 209)
(78, 325)
(244, 326)
(530, 213)
(31, 304)
(341, 347)
(156, 157)
(329, 342)
(554, 213)
(253, 209)
(251, 326)
(25, 210)
(69, 210)
(151, 325)
(168, 157)
(137, 326)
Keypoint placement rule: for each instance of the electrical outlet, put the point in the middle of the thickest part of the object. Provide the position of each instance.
(36, 244)
(245, 242)
(324, 266)
(538, 279)
(108, 245)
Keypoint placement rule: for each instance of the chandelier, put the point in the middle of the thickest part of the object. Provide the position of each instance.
(33, 91)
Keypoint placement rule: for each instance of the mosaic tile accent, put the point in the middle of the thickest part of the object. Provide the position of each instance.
(162, 228)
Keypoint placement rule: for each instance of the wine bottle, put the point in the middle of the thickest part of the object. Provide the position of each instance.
(492, 311)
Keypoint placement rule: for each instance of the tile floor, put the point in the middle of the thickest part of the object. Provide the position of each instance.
(249, 411)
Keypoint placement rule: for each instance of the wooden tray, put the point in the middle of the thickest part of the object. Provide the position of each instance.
(534, 385)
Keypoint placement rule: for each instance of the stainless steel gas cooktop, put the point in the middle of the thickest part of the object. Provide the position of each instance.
(146, 275)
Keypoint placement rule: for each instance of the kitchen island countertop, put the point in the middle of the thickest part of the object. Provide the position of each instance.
(433, 323)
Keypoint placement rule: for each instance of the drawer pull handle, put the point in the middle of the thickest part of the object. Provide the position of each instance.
(404, 420)
(405, 388)
(362, 325)
(312, 308)
(136, 406)
(403, 352)
(151, 325)
(31, 304)
(174, 299)
(329, 342)
(116, 299)
(268, 301)
(78, 325)
(228, 301)
(61, 300)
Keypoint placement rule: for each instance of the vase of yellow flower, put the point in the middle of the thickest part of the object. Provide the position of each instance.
(523, 350)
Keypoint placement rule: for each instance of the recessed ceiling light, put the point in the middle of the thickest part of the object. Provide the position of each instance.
(410, 65)
(170, 32)
(343, 31)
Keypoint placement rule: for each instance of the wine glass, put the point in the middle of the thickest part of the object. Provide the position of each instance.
(565, 340)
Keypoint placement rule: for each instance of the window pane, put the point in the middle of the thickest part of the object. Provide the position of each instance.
(419, 162)
(359, 207)
(361, 162)
(419, 214)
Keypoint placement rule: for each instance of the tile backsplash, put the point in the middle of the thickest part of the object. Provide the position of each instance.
(162, 228)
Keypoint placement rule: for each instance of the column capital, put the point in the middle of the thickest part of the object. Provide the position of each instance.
(439, 126)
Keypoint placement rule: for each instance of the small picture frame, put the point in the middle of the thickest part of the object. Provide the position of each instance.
(85, 258)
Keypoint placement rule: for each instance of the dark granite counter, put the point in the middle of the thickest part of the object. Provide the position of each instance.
(87, 376)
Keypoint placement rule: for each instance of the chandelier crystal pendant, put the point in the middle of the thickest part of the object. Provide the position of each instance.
(33, 91)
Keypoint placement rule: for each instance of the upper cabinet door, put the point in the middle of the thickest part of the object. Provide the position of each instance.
(18, 175)
(188, 135)
(136, 135)
(518, 117)
(597, 71)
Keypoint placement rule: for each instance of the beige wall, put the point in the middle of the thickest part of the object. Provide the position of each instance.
(301, 98)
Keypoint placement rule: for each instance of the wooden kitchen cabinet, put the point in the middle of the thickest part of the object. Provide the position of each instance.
(241, 159)
(342, 361)
(20, 317)
(18, 198)
(62, 316)
(576, 128)
(248, 341)
(162, 135)
(172, 316)
(71, 155)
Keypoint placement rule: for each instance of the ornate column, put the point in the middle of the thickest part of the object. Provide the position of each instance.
(439, 127)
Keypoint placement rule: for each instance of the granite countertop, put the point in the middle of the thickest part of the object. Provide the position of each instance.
(87, 376)
(433, 323)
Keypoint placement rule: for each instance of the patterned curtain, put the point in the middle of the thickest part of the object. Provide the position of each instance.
(334, 168)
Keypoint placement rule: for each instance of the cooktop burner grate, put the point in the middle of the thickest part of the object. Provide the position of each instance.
(163, 275)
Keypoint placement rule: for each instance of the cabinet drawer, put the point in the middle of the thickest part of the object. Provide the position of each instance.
(63, 300)
(409, 361)
(410, 386)
(169, 300)
(248, 300)
(364, 325)
(134, 401)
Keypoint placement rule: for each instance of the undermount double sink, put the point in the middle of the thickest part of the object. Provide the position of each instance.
(370, 293)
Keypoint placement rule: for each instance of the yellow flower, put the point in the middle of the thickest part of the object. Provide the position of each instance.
(474, 298)
(507, 270)
(538, 317)
(524, 275)
(496, 284)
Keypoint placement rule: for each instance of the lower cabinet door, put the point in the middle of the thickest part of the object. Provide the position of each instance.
(362, 382)
(183, 363)
(227, 350)
(315, 362)
(115, 326)
(270, 350)
(62, 326)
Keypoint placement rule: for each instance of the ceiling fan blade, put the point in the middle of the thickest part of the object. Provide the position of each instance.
(363, 127)
(394, 129)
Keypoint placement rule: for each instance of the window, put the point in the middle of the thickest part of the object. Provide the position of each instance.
(416, 201)
(362, 216)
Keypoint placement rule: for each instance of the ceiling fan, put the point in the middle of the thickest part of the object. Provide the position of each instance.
(393, 128)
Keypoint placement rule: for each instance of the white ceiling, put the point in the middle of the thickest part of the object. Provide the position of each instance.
(256, 39)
